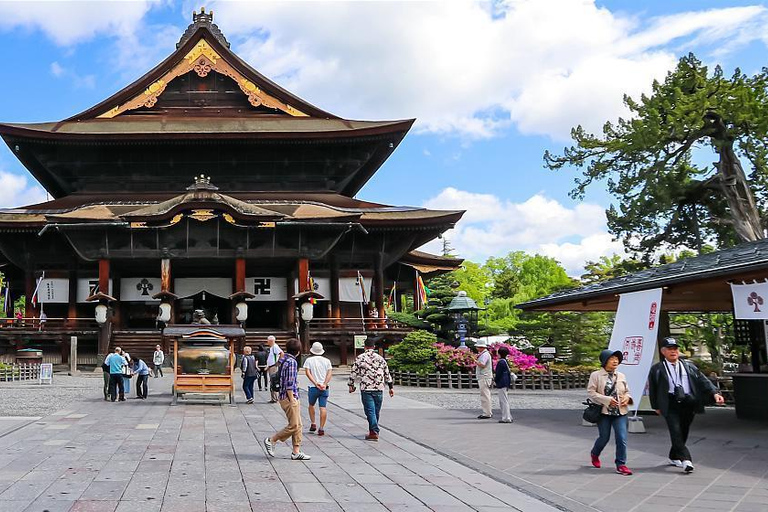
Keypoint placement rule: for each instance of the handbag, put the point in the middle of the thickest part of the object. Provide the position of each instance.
(593, 411)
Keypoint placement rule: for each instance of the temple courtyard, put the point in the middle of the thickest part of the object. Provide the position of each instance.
(91, 455)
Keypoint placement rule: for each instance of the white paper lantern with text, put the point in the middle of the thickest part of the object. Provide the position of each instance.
(101, 314)
(165, 313)
(241, 311)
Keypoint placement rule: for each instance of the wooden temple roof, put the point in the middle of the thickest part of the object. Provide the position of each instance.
(430, 264)
(700, 284)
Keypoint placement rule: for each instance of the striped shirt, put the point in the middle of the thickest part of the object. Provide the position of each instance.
(288, 377)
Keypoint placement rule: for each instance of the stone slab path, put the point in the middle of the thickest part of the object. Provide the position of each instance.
(147, 456)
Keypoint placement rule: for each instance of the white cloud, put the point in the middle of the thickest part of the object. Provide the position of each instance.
(463, 68)
(493, 227)
(72, 22)
(18, 191)
(56, 69)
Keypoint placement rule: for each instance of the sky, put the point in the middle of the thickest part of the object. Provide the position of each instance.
(492, 85)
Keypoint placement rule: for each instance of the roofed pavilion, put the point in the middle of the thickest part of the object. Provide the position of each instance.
(202, 183)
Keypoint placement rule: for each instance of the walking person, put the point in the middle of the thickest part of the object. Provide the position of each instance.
(261, 362)
(116, 364)
(484, 374)
(609, 388)
(289, 401)
(503, 379)
(158, 358)
(318, 370)
(678, 390)
(105, 375)
(372, 372)
(250, 372)
(274, 353)
(141, 370)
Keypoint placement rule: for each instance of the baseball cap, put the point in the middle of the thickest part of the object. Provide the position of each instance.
(669, 343)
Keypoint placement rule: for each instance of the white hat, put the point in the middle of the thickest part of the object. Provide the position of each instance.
(317, 349)
(481, 343)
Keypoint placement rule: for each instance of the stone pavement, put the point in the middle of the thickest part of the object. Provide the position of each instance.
(150, 457)
(546, 453)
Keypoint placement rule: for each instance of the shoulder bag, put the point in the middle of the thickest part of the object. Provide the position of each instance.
(593, 411)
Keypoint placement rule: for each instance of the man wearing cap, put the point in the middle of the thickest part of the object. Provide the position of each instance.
(678, 391)
(318, 370)
(484, 374)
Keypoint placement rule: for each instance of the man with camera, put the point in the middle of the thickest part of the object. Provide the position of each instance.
(678, 391)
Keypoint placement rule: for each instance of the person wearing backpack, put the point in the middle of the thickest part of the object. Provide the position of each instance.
(289, 401)
(503, 379)
(274, 353)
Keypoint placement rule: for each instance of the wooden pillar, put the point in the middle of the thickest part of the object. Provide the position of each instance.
(105, 330)
(72, 304)
(343, 345)
(240, 274)
(378, 281)
(303, 274)
(335, 305)
(64, 346)
(165, 274)
(290, 308)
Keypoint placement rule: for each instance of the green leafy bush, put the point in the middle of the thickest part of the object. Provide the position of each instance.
(416, 353)
(408, 319)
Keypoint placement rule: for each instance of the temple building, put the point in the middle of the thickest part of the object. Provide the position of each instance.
(205, 186)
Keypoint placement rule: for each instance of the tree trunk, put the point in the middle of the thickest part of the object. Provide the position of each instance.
(733, 182)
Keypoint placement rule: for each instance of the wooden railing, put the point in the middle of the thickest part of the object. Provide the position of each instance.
(525, 380)
(50, 324)
(356, 324)
(13, 372)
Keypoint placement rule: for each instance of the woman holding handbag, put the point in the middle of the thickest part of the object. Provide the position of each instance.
(503, 379)
(609, 388)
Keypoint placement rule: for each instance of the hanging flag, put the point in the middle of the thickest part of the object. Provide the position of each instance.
(37, 289)
(7, 301)
(392, 295)
(361, 284)
(422, 291)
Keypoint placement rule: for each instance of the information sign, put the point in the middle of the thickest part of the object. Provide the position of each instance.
(46, 373)
(360, 340)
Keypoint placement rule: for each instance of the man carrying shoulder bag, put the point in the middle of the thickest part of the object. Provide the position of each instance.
(678, 391)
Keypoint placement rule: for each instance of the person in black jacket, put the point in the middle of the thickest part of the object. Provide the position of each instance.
(678, 391)
(503, 379)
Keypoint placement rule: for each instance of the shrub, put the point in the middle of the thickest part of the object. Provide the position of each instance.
(416, 353)
(452, 359)
(518, 360)
(408, 319)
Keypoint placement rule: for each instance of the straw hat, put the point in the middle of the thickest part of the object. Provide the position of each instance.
(317, 349)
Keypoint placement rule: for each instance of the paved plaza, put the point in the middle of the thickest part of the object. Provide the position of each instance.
(148, 456)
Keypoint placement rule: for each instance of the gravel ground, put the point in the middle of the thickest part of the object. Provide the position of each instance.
(519, 399)
(28, 398)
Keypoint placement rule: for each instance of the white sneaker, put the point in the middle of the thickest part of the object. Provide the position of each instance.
(675, 462)
(687, 466)
(300, 456)
(269, 447)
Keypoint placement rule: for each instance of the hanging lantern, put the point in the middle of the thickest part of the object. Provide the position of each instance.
(241, 313)
(101, 314)
(307, 311)
(165, 313)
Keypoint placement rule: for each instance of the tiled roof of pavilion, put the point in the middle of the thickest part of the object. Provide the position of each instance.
(743, 257)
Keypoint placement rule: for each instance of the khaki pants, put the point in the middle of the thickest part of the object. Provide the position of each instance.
(271, 371)
(485, 396)
(293, 429)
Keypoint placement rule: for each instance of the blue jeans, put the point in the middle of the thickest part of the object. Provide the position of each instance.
(619, 425)
(248, 386)
(372, 407)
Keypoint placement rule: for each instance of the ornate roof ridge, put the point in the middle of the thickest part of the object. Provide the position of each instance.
(203, 19)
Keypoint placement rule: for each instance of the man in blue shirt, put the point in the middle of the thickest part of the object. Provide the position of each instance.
(289, 401)
(116, 362)
(141, 369)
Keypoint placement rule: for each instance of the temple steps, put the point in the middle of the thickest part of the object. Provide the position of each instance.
(139, 344)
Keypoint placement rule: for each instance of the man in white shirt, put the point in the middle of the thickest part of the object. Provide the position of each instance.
(484, 374)
(318, 370)
(274, 353)
(158, 358)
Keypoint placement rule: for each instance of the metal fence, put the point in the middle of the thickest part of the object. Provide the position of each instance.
(525, 380)
(13, 372)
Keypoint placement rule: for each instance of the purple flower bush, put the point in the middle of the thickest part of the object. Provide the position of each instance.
(452, 359)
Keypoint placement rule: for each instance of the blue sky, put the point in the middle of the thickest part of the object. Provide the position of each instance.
(492, 86)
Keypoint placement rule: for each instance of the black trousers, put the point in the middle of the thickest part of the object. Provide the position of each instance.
(116, 384)
(141, 386)
(679, 418)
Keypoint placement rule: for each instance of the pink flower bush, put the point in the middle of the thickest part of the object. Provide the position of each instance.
(452, 359)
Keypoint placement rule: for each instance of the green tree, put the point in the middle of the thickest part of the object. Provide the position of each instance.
(609, 268)
(648, 160)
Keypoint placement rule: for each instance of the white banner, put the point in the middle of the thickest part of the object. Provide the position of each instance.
(54, 291)
(88, 287)
(188, 286)
(349, 290)
(750, 301)
(267, 288)
(634, 334)
(139, 289)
